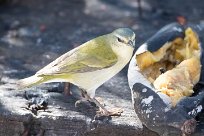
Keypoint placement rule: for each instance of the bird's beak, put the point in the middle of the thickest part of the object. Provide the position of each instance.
(131, 43)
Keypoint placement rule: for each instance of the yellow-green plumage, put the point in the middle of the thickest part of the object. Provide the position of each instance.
(89, 65)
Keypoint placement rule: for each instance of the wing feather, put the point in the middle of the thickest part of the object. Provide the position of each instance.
(91, 56)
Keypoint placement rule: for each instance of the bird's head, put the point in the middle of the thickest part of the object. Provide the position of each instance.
(124, 36)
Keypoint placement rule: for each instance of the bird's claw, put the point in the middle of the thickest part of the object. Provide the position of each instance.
(77, 103)
(112, 112)
(81, 102)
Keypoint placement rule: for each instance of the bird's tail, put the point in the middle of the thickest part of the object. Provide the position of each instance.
(29, 82)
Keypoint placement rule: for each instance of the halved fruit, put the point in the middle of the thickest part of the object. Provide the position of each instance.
(175, 67)
(162, 76)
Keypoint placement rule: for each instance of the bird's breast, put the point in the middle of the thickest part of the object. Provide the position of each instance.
(92, 80)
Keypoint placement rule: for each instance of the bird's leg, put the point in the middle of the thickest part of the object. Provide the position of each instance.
(102, 110)
(83, 99)
(100, 100)
(78, 102)
(67, 89)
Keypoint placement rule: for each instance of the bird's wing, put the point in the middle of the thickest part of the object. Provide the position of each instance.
(91, 56)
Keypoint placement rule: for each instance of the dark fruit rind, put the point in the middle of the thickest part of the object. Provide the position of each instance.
(154, 108)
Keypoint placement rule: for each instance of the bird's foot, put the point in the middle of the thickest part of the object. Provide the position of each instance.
(78, 102)
(111, 112)
(83, 102)
(102, 110)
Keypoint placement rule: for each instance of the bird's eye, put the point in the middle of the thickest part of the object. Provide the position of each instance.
(120, 40)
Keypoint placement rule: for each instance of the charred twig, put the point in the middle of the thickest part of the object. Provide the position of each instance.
(139, 8)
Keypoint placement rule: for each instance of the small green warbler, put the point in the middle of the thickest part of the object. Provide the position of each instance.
(89, 65)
